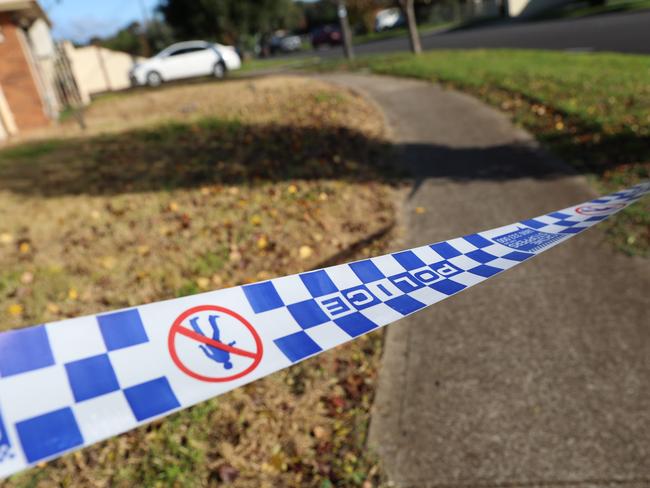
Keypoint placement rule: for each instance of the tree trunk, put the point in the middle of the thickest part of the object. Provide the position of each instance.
(414, 37)
(345, 30)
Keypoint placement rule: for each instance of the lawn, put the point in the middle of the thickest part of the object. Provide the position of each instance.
(592, 109)
(423, 29)
(188, 188)
(281, 63)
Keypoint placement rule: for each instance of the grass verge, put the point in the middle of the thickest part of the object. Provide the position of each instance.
(423, 29)
(283, 175)
(592, 109)
(275, 64)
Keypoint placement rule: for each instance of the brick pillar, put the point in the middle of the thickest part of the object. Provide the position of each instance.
(16, 78)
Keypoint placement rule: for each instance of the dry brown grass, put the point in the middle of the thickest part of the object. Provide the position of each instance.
(253, 179)
(277, 99)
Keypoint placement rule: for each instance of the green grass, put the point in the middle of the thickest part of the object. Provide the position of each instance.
(253, 65)
(25, 152)
(610, 90)
(592, 109)
(575, 10)
(423, 29)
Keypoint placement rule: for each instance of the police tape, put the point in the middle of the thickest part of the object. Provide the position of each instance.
(72, 383)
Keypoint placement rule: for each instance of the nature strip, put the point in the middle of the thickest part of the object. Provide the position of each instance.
(69, 384)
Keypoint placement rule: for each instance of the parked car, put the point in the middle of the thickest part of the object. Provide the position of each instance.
(186, 60)
(285, 43)
(389, 18)
(327, 35)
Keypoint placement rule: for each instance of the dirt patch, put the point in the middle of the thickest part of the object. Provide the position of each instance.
(259, 179)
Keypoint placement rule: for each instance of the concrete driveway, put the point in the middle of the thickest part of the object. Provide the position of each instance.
(539, 377)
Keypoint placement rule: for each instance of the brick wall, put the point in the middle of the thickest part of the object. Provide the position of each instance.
(16, 79)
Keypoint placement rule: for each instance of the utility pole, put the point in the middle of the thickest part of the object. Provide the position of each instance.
(345, 30)
(414, 37)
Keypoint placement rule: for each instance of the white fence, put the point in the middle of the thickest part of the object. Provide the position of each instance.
(97, 69)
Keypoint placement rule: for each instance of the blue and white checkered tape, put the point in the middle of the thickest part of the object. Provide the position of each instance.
(69, 384)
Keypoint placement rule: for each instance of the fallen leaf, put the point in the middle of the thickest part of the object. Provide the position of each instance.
(52, 308)
(24, 247)
(420, 210)
(228, 474)
(305, 252)
(262, 242)
(263, 275)
(185, 220)
(203, 283)
(15, 309)
(6, 238)
(172, 207)
(277, 461)
(73, 294)
(108, 262)
(292, 189)
(320, 432)
(26, 278)
(256, 220)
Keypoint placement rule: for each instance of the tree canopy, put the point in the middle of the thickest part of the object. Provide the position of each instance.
(138, 40)
(229, 20)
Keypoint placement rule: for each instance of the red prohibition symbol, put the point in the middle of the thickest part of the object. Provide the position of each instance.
(177, 328)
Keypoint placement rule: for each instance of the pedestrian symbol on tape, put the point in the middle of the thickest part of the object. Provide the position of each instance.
(214, 344)
(215, 353)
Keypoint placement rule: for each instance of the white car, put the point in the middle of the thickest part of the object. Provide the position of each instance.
(185, 60)
(389, 18)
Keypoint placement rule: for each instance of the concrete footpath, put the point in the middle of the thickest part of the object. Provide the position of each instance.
(539, 377)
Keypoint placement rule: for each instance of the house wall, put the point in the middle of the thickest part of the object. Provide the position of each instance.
(527, 8)
(44, 55)
(7, 122)
(18, 84)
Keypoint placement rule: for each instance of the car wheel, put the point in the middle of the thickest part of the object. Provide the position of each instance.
(154, 79)
(219, 70)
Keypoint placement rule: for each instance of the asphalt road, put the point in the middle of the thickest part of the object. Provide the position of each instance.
(537, 378)
(623, 32)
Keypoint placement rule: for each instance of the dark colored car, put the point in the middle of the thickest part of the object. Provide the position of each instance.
(329, 35)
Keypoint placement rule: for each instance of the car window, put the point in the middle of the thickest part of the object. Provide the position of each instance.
(186, 50)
